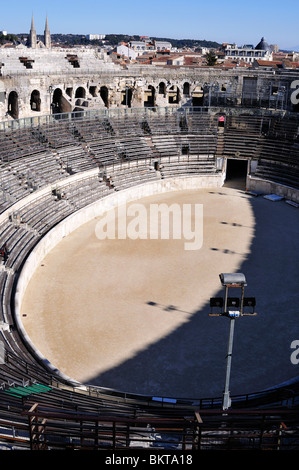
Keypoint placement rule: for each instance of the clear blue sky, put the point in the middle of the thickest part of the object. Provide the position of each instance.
(243, 22)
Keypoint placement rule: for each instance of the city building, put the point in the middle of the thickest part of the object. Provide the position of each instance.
(249, 53)
(95, 37)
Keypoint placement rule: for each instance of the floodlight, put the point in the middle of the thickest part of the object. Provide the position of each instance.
(233, 279)
(232, 311)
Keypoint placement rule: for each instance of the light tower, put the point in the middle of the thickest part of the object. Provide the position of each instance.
(231, 307)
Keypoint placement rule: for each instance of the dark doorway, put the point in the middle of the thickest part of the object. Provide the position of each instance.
(13, 105)
(56, 102)
(186, 89)
(59, 103)
(236, 173)
(35, 101)
(197, 96)
(126, 96)
(149, 97)
(104, 95)
(80, 92)
(174, 95)
(162, 88)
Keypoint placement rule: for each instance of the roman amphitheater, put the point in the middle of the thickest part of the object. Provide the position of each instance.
(110, 343)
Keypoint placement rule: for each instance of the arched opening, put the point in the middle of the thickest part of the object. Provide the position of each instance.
(186, 89)
(80, 92)
(126, 97)
(174, 95)
(35, 101)
(93, 91)
(60, 104)
(149, 97)
(197, 96)
(13, 105)
(162, 88)
(104, 95)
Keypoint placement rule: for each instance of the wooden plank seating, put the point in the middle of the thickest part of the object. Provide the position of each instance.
(18, 240)
(127, 175)
(201, 123)
(37, 170)
(132, 148)
(85, 191)
(278, 173)
(126, 125)
(162, 124)
(186, 165)
(75, 158)
(58, 134)
(90, 128)
(279, 150)
(166, 145)
(239, 145)
(284, 128)
(41, 215)
(17, 144)
(104, 151)
(198, 144)
(244, 124)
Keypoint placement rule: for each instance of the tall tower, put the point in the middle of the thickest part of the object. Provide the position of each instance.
(32, 37)
(47, 35)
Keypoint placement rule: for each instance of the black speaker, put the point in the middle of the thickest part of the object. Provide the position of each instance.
(216, 302)
(233, 302)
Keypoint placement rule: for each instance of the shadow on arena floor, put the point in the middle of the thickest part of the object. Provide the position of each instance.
(262, 343)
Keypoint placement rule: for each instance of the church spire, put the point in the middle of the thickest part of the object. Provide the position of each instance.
(47, 35)
(32, 36)
(32, 24)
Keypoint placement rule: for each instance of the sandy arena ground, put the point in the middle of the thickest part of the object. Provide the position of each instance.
(134, 314)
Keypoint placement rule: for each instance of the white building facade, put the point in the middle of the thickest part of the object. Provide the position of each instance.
(249, 53)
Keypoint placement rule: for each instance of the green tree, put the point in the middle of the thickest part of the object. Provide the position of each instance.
(211, 58)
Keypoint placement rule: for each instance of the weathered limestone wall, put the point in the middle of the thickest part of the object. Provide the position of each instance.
(263, 186)
(98, 83)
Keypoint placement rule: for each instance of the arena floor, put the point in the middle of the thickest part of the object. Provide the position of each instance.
(133, 315)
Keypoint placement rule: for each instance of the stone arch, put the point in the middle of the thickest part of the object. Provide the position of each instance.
(35, 101)
(162, 88)
(197, 96)
(174, 95)
(149, 96)
(80, 92)
(126, 96)
(69, 91)
(13, 105)
(104, 94)
(59, 103)
(186, 88)
(93, 91)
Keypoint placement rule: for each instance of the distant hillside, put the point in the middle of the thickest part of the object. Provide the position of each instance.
(179, 43)
(114, 39)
